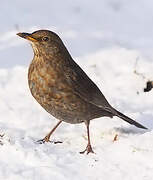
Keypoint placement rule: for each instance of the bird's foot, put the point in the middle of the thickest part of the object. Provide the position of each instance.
(42, 141)
(88, 150)
(46, 139)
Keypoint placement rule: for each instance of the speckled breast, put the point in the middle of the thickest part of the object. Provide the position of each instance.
(56, 97)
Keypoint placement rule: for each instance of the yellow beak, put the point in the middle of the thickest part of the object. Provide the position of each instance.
(27, 36)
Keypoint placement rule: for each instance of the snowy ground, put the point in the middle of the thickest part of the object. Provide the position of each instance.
(105, 38)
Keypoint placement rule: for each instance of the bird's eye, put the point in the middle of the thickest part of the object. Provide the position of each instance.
(45, 38)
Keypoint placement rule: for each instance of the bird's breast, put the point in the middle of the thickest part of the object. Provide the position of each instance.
(42, 80)
(49, 88)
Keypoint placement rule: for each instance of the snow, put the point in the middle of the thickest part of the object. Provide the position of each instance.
(106, 39)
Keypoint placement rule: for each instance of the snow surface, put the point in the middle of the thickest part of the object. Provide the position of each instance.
(106, 38)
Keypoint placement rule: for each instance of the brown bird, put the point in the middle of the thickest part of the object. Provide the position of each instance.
(62, 88)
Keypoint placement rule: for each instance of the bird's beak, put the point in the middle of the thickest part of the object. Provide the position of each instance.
(27, 36)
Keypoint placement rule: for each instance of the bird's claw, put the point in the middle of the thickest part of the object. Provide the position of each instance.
(42, 141)
(46, 139)
(88, 150)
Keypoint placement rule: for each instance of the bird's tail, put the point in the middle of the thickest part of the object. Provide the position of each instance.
(129, 120)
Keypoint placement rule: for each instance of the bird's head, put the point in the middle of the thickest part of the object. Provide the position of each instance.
(43, 41)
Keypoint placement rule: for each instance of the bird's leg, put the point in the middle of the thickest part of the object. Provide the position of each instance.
(47, 137)
(88, 148)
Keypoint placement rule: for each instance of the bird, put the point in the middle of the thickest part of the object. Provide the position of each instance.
(62, 88)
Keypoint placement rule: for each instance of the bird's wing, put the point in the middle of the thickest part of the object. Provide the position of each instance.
(83, 86)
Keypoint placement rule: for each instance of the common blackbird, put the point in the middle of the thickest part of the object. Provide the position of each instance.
(62, 88)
